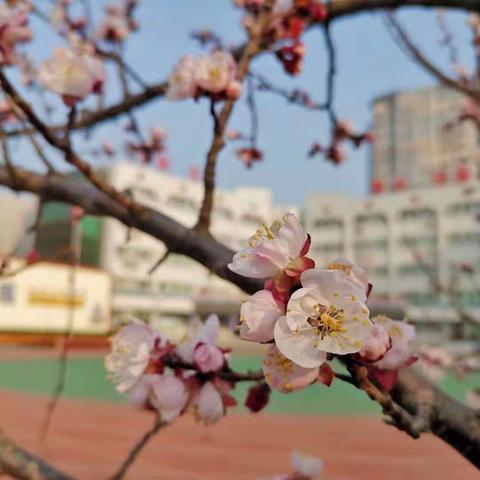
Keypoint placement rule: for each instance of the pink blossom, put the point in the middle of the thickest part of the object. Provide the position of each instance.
(327, 315)
(209, 406)
(7, 114)
(181, 82)
(114, 26)
(376, 345)
(166, 393)
(131, 352)
(208, 358)
(402, 335)
(275, 249)
(434, 361)
(72, 75)
(234, 90)
(206, 334)
(325, 374)
(284, 375)
(353, 271)
(13, 30)
(258, 316)
(214, 72)
(169, 396)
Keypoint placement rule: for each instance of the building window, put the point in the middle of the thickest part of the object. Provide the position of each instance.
(7, 293)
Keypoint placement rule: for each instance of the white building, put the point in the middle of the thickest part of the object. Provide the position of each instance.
(180, 286)
(406, 241)
(50, 298)
(17, 214)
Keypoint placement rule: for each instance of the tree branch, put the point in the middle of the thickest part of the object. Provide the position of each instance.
(252, 48)
(177, 238)
(20, 464)
(406, 44)
(455, 423)
(138, 447)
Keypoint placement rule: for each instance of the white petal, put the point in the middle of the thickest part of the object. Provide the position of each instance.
(298, 347)
(293, 233)
(210, 406)
(169, 396)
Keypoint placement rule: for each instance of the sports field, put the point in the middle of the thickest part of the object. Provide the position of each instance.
(93, 429)
(86, 379)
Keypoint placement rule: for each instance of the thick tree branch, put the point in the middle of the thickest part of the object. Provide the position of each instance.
(453, 422)
(343, 8)
(177, 238)
(20, 464)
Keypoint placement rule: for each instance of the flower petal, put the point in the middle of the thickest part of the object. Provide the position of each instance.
(300, 348)
(210, 406)
(284, 375)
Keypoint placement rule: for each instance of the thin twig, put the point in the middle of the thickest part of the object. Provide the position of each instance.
(159, 262)
(138, 447)
(296, 97)
(6, 155)
(252, 107)
(253, 46)
(63, 358)
(64, 145)
(331, 73)
(402, 39)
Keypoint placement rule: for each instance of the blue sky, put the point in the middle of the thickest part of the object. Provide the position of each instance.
(369, 64)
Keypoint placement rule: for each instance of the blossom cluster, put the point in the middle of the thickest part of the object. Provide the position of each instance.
(311, 314)
(212, 75)
(149, 148)
(118, 22)
(342, 132)
(169, 378)
(14, 30)
(289, 20)
(73, 73)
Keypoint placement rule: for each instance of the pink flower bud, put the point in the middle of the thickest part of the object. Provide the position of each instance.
(234, 90)
(258, 397)
(208, 358)
(32, 257)
(376, 345)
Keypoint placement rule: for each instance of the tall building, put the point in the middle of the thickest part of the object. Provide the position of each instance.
(17, 214)
(408, 241)
(181, 286)
(414, 147)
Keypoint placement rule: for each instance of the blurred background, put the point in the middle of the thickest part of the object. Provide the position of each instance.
(405, 208)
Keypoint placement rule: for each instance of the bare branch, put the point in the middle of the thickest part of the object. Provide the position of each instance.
(20, 464)
(332, 70)
(138, 447)
(406, 44)
(177, 238)
(252, 48)
(64, 144)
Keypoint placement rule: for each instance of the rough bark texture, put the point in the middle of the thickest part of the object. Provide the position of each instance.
(23, 465)
(453, 422)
